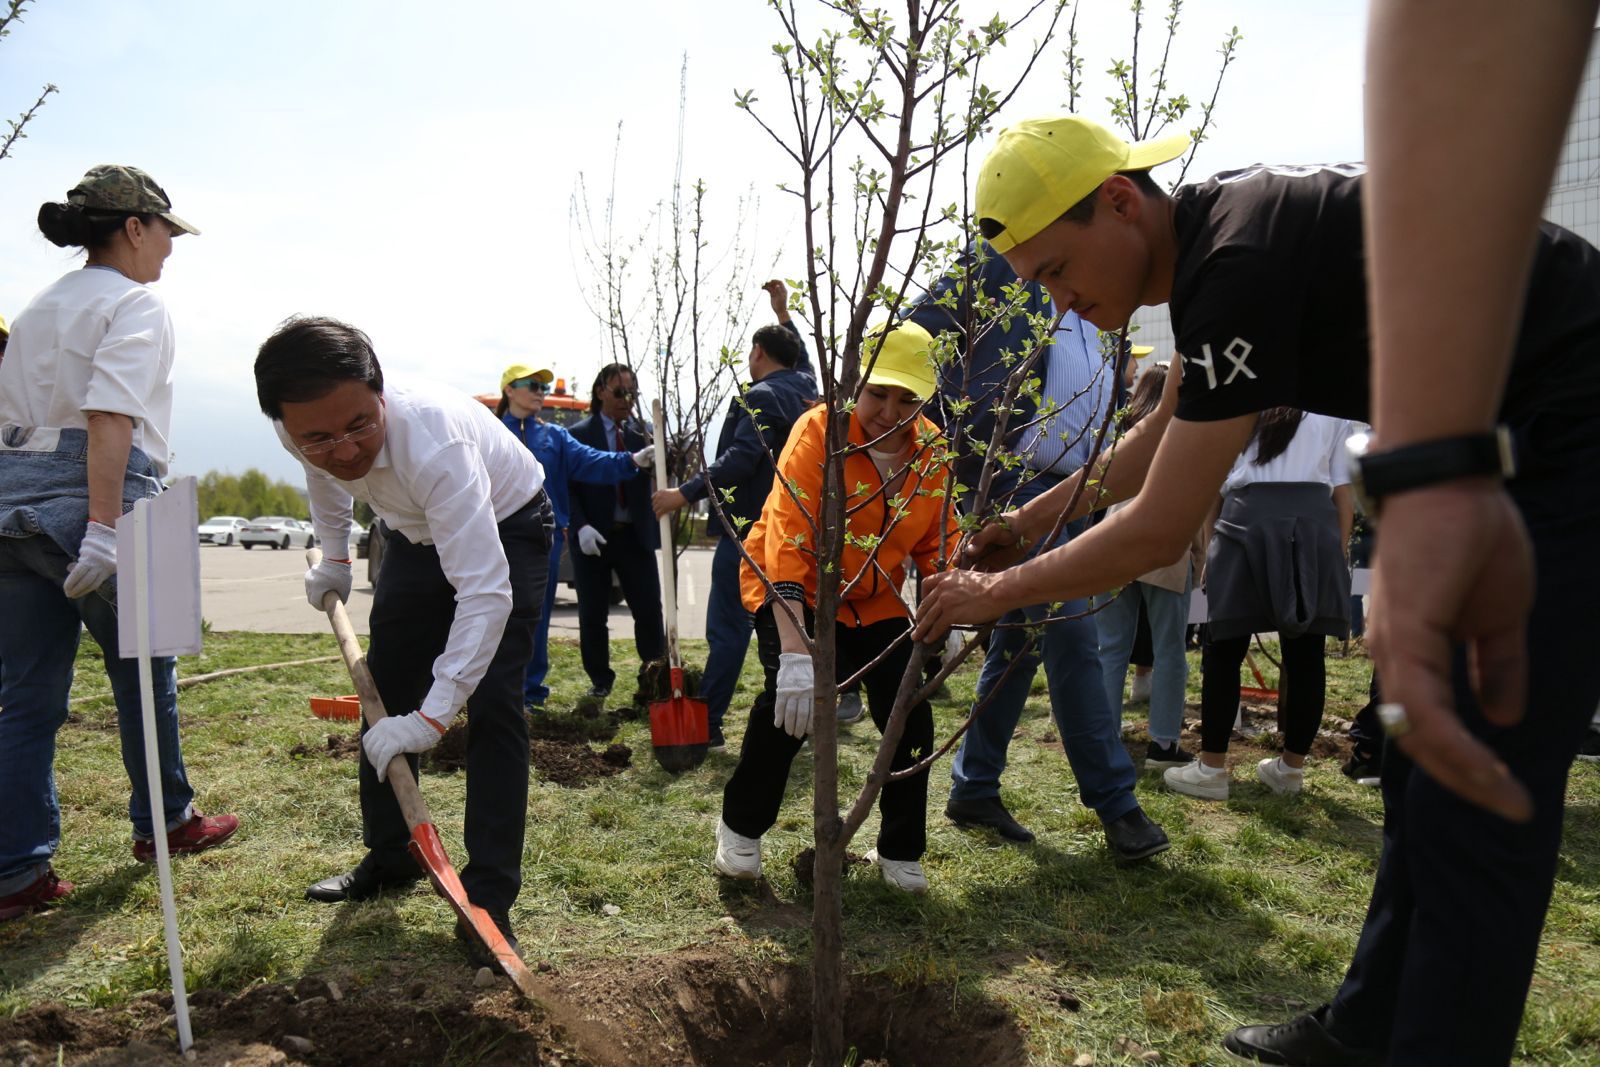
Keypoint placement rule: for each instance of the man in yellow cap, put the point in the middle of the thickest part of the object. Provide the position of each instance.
(1264, 272)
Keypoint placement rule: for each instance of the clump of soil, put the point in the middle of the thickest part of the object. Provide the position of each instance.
(576, 765)
(655, 683)
(699, 1007)
(804, 864)
(339, 746)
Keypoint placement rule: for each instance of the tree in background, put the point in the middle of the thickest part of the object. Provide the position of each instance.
(248, 495)
(13, 13)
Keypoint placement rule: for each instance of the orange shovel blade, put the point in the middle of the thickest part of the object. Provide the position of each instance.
(428, 850)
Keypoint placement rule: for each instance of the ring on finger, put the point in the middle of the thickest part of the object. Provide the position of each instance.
(1394, 720)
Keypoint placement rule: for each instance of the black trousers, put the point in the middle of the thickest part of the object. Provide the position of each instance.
(1447, 951)
(751, 799)
(1302, 688)
(412, 609)
(634, 563)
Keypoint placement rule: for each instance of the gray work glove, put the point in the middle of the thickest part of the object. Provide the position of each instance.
(97, 561)
(399, 734)
(330, 575)
(589, 540)
(796, 698)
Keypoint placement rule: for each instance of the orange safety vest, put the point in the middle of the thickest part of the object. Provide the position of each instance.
(783, 541)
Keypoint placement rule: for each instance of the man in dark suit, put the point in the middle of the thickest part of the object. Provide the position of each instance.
(616, 532)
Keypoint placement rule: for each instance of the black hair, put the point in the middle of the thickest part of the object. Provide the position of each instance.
(307, 358)
(610, 370)
(71, 226)
(1275, 428)
(778, 343)
(503, 406)
(1146, 395)
(1083, 211)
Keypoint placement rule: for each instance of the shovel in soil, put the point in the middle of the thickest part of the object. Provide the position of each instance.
(425, 846)
(680, 730)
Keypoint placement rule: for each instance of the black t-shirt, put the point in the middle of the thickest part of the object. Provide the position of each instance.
(1269, 303)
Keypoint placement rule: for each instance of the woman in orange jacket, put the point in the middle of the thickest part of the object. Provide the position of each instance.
(895, 475)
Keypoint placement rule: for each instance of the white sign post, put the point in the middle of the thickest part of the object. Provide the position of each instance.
(158, 614)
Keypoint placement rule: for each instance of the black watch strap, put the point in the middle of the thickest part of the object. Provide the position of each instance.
(1396, 470)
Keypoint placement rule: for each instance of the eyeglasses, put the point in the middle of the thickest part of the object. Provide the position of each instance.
(534, 384)
(322, 448)
(624, 394)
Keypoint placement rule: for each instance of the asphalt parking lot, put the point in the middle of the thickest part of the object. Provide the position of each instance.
(261, 590)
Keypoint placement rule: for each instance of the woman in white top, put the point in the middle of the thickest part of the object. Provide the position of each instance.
(85, 408)
(1276, 563)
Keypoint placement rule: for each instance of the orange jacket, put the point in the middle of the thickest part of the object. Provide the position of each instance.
(782, 541)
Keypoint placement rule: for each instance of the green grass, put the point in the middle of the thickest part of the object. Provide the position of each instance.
(1251, 916)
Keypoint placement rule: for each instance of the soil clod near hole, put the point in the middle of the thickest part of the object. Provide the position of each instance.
(566, 763)
(339, 746)
(805, 861)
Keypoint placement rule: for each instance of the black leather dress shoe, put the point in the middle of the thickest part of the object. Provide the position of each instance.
(1135, 836)
(479, 955)
(989, 813)
(1302, 1042)
(367, 880)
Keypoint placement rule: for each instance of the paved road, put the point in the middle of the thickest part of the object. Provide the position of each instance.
(261, 590)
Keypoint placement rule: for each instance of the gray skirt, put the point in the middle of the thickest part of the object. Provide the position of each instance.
(1276, 564)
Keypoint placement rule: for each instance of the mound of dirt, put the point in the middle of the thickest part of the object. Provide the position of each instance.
(655, 683)
(339, 746)
(569, 764)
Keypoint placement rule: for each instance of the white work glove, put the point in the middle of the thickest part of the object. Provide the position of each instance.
(97, 561)
(399, 734)
(330, 575)
(589, 540)
(791, 713)
(645, 458)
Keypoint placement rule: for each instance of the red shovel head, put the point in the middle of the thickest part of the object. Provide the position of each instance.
(680, 729)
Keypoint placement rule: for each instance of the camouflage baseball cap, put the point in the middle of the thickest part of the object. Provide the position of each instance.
(110, 187)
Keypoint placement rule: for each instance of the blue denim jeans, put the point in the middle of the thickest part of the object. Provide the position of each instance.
(534, 691)
(39, 633)
(1090, 732)
(1117, 622)
(727, 632)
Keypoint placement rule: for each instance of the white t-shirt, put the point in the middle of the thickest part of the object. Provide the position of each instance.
(447, 474)
(1317, 454)
(93, 341)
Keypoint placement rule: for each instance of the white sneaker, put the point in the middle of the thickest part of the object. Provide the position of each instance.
(850, 708)
(1197, 780)
(737, 856)
(904, 875)
(1279, 777)
(1139, 691)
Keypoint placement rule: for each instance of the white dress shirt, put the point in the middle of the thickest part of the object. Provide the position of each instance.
(1316, 454)
(447, 474)
(92, 341)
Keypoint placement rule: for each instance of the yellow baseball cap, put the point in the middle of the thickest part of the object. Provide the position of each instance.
(1140, 351)
(904, 358)
(522, 370)
(1041, 167)
(5, 331)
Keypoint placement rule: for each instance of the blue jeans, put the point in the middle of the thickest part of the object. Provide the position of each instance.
(727, 632)
(39, 632)
(1090, 733)
(1117, 621)
(534, 691)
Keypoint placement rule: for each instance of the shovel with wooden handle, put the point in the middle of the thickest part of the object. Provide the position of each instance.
(680, 730)
(425, 846)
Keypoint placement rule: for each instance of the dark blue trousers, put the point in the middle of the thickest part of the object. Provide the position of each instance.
(634, 563)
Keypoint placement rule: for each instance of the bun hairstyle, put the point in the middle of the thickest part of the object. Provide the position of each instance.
(68, 225)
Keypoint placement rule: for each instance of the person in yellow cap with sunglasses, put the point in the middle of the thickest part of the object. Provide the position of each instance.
(897, 454)
(1265, 272)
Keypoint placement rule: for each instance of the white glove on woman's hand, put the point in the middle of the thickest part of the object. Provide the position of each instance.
(97, 561)
(645, 458)
(328, 576)
(796, 694)
(589, 540)
(398, 734)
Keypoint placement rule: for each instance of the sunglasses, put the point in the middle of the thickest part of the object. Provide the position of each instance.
(322, 448)
(624, 394)
(535, 384)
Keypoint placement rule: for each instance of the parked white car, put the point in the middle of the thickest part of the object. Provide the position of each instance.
(279, 531)
(221, 529)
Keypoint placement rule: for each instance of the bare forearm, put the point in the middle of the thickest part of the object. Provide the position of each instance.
(1119, 472)
(110, 441)
(1111, 554)
(790, 637)
(1445, 296)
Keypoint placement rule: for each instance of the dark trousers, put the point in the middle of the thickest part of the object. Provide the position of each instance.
(1447, 951)
(412, 609)
(1302, 687)
(634, 563)
(751, 799)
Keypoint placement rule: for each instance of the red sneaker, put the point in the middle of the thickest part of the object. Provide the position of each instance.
(198, 834)
(32, 897)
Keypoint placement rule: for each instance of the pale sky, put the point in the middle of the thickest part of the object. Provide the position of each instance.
(411, 171)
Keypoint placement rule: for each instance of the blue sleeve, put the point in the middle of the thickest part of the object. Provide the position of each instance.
(803, 364)
(747, 452)
(588, 464)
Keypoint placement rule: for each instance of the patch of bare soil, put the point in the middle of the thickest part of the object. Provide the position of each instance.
(567, 763)
(697, 1007)
(339, 746)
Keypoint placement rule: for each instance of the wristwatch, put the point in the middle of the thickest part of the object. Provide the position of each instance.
(1376, 475)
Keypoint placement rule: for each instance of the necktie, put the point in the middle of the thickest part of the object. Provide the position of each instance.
(622, 496)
